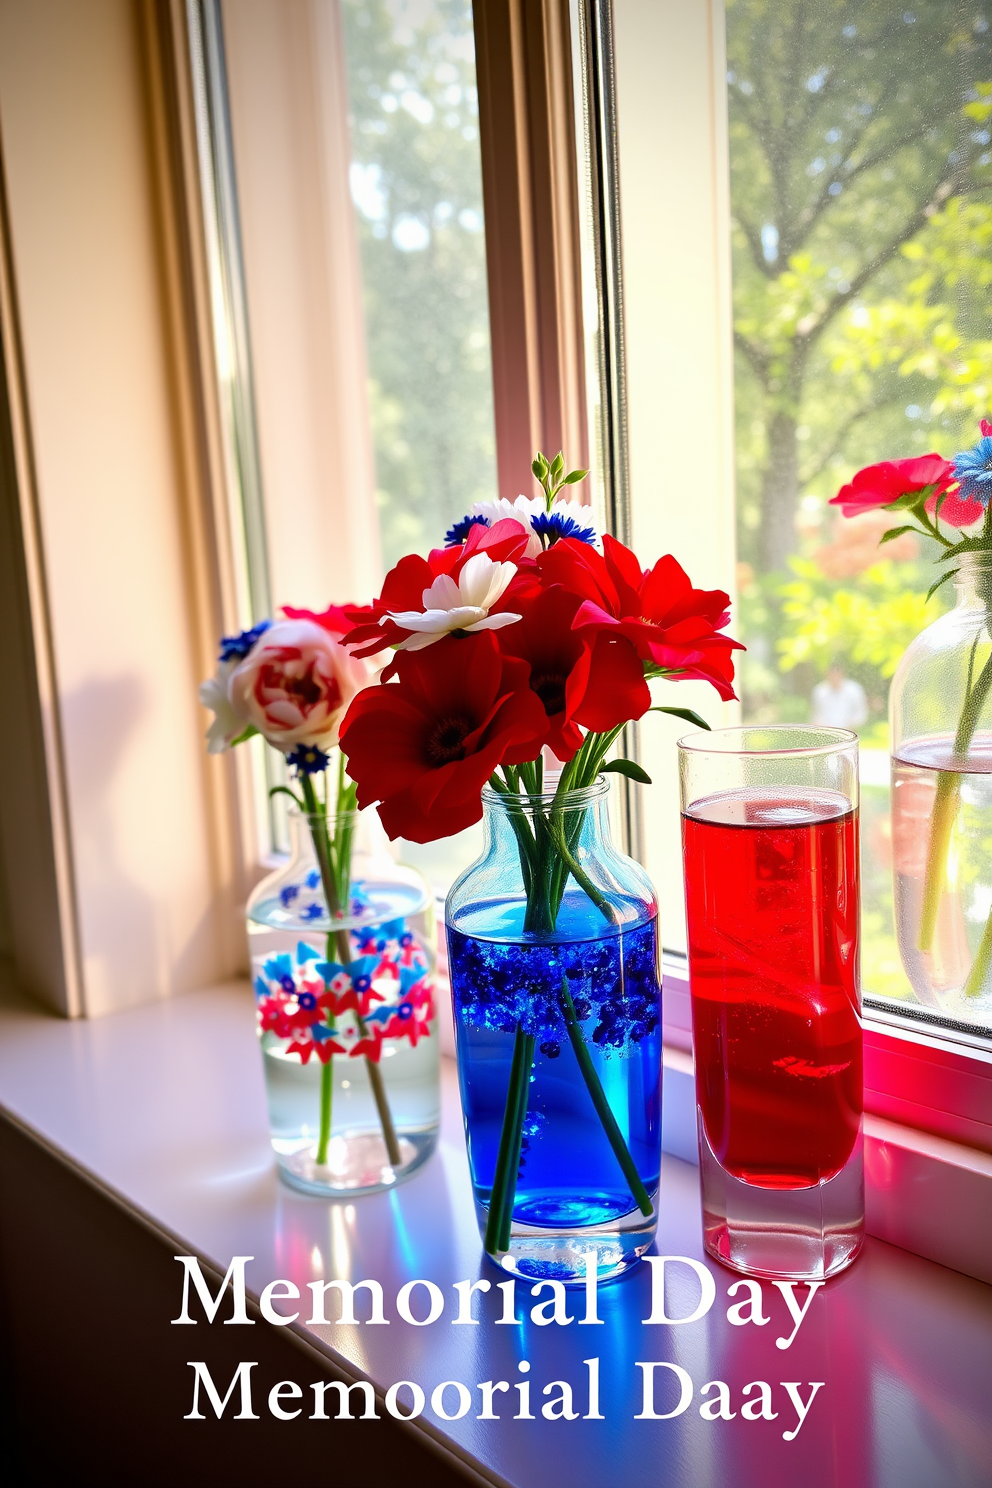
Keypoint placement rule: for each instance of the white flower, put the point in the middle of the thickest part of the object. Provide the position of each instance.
(524, 510)
(216, 695)
(461, 604)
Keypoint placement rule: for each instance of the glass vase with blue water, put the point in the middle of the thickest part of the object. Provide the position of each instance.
(553, 956)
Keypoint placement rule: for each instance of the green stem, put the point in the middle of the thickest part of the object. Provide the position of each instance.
(513, 1168)
(381, 1103)
(503, 1193)
(547, 857)
(945, 809)
(942, 819)
(983, 960)
(609, 1122)
(333, 883)
(326, 1097)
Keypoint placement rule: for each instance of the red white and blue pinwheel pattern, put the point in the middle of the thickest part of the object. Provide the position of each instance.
(323, 1007)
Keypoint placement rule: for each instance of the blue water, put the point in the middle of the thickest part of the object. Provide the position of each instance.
(569, 1175)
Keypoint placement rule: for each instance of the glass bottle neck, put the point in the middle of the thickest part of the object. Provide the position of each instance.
(506, 816)
(973, 581)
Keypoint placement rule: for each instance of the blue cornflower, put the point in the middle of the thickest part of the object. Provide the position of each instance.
(973, 469)
(307, 759)
(551, 526)
(457, 534)
(236, 648)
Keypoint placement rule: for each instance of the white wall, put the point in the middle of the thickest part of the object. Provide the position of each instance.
(75, 143)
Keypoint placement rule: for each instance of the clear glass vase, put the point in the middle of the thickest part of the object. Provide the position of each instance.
(941, 725)
(557, 1010)
(345, 1011)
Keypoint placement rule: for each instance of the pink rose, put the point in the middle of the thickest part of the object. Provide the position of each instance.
(295, 685)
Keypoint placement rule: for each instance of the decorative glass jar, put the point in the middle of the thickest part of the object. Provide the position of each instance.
(557, 1010)
(345, 1008)
(941, 725)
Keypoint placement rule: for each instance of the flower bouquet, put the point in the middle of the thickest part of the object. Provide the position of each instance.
(342, 942)
(940, 723)
(521, 649)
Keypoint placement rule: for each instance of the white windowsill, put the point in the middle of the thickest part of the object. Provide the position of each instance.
(163, 1106)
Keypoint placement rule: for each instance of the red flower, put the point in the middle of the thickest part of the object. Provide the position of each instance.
(880, 485)
(339, 620)
(670, 625)
(952, 510)
(423, 746)
(405, 585)
(544, 638)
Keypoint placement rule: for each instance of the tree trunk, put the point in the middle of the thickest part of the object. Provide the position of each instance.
(780, 489)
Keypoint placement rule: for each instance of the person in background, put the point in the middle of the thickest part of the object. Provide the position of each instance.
(839, 701)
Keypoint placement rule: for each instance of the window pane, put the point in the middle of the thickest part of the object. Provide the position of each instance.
(417, 185)
(862, 228)
(416, 181)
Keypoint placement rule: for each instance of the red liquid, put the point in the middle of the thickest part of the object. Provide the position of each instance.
(772, 907)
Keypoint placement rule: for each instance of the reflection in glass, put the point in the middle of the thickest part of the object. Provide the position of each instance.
(861, 196)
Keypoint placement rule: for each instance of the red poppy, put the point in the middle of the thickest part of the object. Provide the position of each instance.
(545, 640)
(671, 626)
(403, 587)
(424, 745)
(595, 681)
(880, 485)
(340, 620)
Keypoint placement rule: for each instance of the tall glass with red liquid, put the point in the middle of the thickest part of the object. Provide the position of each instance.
(770, 846)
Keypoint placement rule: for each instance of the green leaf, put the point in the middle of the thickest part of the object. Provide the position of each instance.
(284, 790)
(248, 733)
(573, 476)
(909, 499)
(686, 714)
(540, 466)
(630, 769)
(897, 532)
(558, 465)
(942, 580)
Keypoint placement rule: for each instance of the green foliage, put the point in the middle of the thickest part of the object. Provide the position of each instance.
(862, 219)
(870, 623)
(552, 477)
(861, 199)
(416, 179)
(630, 768)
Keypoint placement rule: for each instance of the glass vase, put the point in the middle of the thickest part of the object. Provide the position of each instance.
(557, 1010)
(345, 1010)
(941, 727)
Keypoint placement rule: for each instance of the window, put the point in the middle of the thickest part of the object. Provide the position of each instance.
(861, 206)
(416, 182)
(814, 186)
(357, 170)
